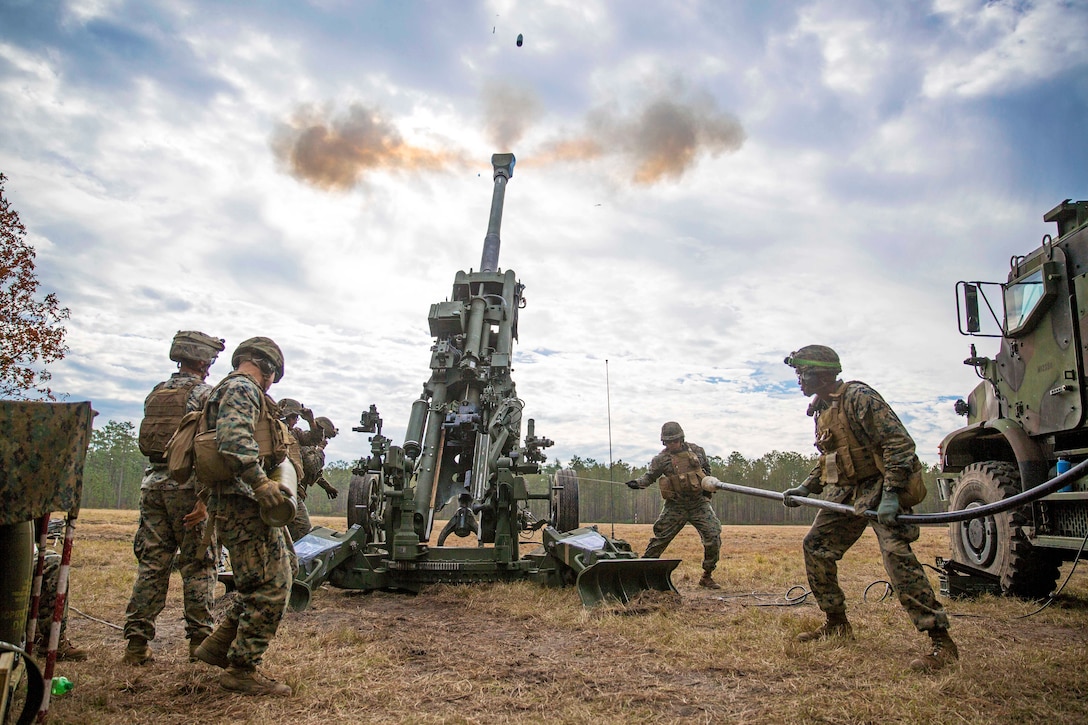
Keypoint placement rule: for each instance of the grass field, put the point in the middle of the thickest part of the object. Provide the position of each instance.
(523, 653)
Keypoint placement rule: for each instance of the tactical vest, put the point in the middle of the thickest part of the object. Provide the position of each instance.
(844, 461)
(163, 410)
(687, 474)
(274, 443)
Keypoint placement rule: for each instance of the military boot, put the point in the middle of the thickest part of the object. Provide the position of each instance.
(195, 641)
(68, 651)
(137, 652)
(835, 626)
(247, 681)
(708, 581)
(944, 653)
(213, 650)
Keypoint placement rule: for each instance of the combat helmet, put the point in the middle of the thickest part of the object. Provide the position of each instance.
(290, 406)
(263, 348)
(671, 431)
(327, 426)
(192, 345)
(814, 356)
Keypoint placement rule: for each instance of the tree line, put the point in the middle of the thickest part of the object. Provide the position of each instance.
(114, 469)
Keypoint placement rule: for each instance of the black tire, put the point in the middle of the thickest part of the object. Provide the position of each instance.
(996, 544)
(363, 491)
(565, 500)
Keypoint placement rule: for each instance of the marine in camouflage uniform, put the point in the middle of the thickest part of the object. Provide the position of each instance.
(50, 579)
(311, 448)
(679, 469)
(172, 520)
(260, 555)
(867, 459)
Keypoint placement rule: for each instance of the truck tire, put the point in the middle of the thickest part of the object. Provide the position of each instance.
(996, 544)
(565, 500)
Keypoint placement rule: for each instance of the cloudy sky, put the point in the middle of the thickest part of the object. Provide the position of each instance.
(701, 188)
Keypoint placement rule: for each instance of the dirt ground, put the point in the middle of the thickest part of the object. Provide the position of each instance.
(521, 652)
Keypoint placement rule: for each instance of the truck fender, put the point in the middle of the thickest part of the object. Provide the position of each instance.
(963, 447)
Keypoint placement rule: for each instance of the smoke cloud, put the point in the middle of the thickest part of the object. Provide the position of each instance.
(660, 141)
(508, 114)
(336, 153)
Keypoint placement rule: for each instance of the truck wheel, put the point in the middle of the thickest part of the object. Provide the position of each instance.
(565, 500)
(363, 491)
(996, 544)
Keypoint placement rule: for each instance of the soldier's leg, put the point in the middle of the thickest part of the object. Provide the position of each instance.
(300, 525)
(907, 576)
(829, 538)
(667, 526)
(196, 564)
(708, 525)
(262, 575)
(154, 546)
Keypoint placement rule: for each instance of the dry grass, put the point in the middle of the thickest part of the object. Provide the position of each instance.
(523, 653)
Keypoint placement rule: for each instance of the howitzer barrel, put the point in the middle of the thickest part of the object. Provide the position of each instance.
(504, 169)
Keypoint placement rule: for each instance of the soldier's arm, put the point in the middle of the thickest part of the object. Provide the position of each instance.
(198, 396)
(654, 472)
(881, 429)
(813, 480)
(239, 409)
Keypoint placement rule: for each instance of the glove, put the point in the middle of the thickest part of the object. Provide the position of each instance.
(888, 508)
(633, 484)
(709, 484)
(789, 493)
(269, 494)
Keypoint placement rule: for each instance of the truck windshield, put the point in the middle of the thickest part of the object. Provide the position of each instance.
(1021, 299)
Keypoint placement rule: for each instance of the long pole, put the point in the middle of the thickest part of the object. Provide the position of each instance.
(611, 489)
(947, 517)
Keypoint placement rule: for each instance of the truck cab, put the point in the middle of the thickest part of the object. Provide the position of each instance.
(1026, 416)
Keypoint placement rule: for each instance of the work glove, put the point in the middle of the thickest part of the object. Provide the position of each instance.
(269, 494)
(633, 484)
(330, 491)
(789, 493)
(710, 484)
(888, 508)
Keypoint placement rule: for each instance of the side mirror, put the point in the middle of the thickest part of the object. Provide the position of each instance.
(970, 299)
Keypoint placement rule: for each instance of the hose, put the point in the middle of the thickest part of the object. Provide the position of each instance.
(35, 686)
(935, 519)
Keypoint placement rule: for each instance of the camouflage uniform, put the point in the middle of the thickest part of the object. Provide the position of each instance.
(48, 601)
(163, 504)
(876, 427)
(683, 508)
(313, 460)
(259, 553)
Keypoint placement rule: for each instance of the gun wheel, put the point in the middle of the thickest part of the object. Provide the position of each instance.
(996, 544)
(366, 507)
(564, 503)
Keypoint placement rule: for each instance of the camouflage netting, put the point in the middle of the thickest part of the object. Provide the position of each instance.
(42, 450)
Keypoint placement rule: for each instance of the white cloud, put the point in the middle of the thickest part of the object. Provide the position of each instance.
(845, 217)
(1003, 47)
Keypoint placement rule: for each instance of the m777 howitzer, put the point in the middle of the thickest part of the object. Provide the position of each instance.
(463, 447)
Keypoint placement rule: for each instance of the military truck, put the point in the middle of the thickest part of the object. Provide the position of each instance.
(1026, 418)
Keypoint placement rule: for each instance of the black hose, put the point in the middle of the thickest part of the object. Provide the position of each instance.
(948, 517)
(35, 685)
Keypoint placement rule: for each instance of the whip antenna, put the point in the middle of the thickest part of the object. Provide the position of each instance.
(611, 487)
